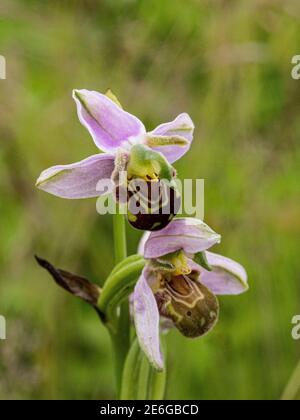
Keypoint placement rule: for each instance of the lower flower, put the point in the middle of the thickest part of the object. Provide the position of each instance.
(179, 286)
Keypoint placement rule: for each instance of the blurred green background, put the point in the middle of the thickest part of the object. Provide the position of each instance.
(228, 64)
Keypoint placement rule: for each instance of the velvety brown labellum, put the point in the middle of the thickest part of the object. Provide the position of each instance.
(74, 284)
(151, 205)
(192, 307)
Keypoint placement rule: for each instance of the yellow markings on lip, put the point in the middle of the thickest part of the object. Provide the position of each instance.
(179, 263)
(152, 177)
(182, 271)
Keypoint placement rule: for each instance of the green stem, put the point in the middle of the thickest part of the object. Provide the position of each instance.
(120, 244)
(292, 390)
(121, 339)
(141, 381)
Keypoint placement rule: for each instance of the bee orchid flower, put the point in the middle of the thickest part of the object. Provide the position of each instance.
(127, 147)
(180, 283)
(178, 278)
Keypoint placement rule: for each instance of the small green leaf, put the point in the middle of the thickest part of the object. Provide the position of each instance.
(143, 379)
(131, 372)
(132, 259)
(140, 381)
(201, 259)
(120, 284)
(157, 384)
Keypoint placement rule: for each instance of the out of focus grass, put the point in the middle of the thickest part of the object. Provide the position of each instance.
(227, 63)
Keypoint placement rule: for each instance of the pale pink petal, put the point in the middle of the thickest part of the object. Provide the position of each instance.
(78, 180)
(189, 234)
(182, 127)
(227, 278)
(146, 318)
(109, 125)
